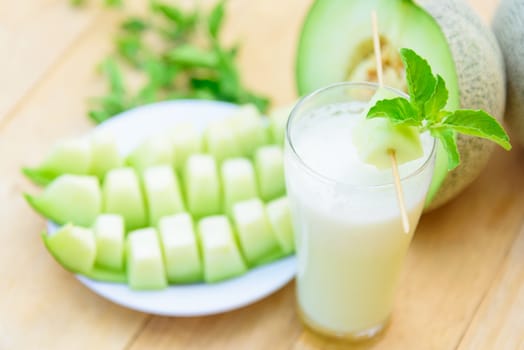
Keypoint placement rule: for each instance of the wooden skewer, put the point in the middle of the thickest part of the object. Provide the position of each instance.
(394, 164)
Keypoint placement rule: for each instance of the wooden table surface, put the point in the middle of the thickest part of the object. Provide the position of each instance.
(462, 286)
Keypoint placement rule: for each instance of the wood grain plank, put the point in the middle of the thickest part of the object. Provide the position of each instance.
(33, 36)
(41, 305)
(499, 322)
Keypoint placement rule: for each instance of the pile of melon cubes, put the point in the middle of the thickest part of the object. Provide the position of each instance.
(183, 207)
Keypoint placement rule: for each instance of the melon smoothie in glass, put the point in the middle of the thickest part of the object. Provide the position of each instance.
(350, 240)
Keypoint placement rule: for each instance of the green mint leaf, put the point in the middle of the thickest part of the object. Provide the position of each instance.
(398, 110)
(447, 138)
(215, 19)
(113, 3)
(113, 74)
(437, 101)
(420, 79)
(134, 25)
(477, 123)
(192, 56)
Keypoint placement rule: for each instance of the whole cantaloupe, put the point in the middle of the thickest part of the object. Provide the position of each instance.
(508, 25)
(335, 45)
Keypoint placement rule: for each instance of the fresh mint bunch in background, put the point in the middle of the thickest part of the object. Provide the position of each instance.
(424, 110)
(175, 54)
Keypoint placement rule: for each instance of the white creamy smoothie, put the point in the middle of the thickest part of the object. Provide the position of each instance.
(349, 235)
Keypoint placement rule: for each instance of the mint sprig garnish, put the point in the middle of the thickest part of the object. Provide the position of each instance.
(425, 110)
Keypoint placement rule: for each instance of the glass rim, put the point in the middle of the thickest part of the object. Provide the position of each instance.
(328, 180)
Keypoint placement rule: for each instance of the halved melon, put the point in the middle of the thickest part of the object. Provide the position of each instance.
(336, 45)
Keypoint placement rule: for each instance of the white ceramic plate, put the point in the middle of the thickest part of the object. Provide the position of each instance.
(130, 128)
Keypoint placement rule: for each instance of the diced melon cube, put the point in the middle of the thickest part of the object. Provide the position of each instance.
(238, 182)
(269, 165)
(109, 234)
(122, 195)
(65, 157)
(69, 199)
(145, 267)
(257, 240)
(376, 138)
(186, 140)
(278, 122)
(73, 247)
(250, 130)
(279, 217)
(104, 154)
(162, 192)
(222, 259)
(180, 248)
(156, 150)
(202, 186)
(221, 141)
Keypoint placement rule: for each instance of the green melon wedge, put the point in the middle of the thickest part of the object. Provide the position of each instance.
(145, 266)
(109, 235)
(269, 165)
(221, 257)
(162, 192)
(202, 186)
(104, 154)
(238, 182)
(249, 128)
(122, 195)
(73, 247)
(279, 217)
(255, 235)
(186, 141)
(278, 123)
(221, 142)
(69, 199)
(156, 150)
(180, 249)
(65, 157)
(336, 45)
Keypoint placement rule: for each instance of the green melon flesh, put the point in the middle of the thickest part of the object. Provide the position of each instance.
(66, 157)
(180, 249)
(279, 216)
(278, 123)
(186, 140)
(249, 129)
(145, 266)
(255, 235)
(73, 247)
(221, 142)
(122, 195)
(157, 150)
(202, 186)
(269, 165)
(162, 192)
(69, 199)
(238, 182)
(109, 235)
(508, 25)
(222, 259)
(336, 45)
(104, 154)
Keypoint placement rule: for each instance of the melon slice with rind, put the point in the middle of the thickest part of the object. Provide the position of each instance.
(145, 266)
(221, 142)
(73, 247)
(104, 154)
(65, 157)
(250, 130)
(279, 216)
(69, 199)
(180, 249)
(269, 165)
(221, 257)
(186, 141)
(238, 182)
(162, 192)
(255, 235)
(109, 232)
(156, 150)
(448, 33)
(122, 195)
(202, 186)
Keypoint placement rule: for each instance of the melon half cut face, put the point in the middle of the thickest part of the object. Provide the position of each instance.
(336, 45)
